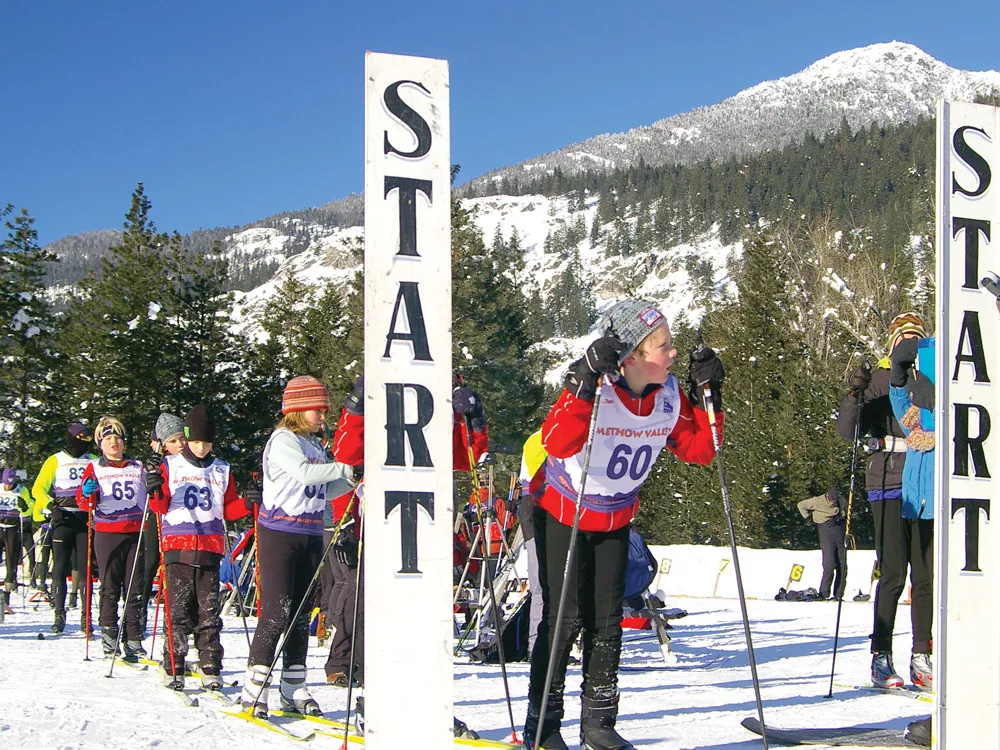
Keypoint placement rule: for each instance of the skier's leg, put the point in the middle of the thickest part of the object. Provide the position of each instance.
(45, 558)
(28, 547)
(828, 533)
(893, 563)
(63, 547)
(150, 564)
(209, 621)
(840, 584)
(133, 569)
(342, 619)
(306, 560)
(604, 558)
(276, 586)
(922, 600)
(535, 588)
(551, 545)
(180, 587)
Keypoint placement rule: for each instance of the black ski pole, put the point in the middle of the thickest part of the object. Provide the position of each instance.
(489, 578)
(710, 409)
(847, 533)
(550, 670)
(128, 589)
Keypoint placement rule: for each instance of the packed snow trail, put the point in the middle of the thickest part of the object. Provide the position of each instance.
(51, 698)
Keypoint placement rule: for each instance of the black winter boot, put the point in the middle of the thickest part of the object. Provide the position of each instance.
(551, 739)
(919, 732)
(109, 640)
(59, 624)
(598, 719)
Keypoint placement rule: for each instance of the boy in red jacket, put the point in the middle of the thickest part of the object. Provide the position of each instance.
(193, 492)
(642, 411)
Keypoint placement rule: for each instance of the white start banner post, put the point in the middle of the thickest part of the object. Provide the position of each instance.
(967, 364)
(408, 415)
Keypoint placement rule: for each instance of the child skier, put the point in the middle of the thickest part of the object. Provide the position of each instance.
(114, 488)
(14, 499)
(194, 492)
(298, 482)
(642, 410)
(167, 438)
(54, 491)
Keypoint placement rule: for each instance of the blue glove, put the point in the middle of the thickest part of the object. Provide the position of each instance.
(90, 486)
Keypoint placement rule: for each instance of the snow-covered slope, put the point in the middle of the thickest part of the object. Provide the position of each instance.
(51, 698)
(886, 83)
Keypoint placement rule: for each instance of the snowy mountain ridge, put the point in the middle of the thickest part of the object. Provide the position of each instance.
(887, 83)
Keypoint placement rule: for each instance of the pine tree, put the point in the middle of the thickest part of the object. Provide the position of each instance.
(27, 341)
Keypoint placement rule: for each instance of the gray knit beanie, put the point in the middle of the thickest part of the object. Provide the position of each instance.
(168, 426)
(632, 320)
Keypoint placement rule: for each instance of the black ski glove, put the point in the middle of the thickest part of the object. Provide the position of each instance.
(355, 401)
(252, 493)
(601, 358)
(705, 367)
(921, 392)
(154, 480)
(464, 401)
(902, 359)
(860, 379)
(346, 549)
(22, 504)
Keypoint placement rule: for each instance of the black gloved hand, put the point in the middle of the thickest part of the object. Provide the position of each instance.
(902, 359)
(154, 480)
(22, 504)
(921, 392)
(601, 358)
(345, 549)
(252, 493)
(355, 401)
(153, 463)
(466, 401)
(705, 367)
(860, 379)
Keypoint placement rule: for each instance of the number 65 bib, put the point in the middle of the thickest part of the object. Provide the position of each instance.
(625, 448)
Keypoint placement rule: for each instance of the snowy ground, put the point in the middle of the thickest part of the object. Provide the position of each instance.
(51, 698)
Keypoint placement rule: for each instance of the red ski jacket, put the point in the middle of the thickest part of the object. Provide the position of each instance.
(349, 448)
(565, 431)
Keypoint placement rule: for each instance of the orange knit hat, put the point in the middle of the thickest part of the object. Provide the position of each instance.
(304, 393)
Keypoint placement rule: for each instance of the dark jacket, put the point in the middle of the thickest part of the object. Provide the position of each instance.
(885, 469)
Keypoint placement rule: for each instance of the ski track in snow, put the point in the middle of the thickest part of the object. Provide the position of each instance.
(51, 698)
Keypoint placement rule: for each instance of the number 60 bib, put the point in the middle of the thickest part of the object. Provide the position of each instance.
(625, 448)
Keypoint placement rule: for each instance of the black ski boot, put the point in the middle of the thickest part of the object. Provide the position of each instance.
(133, 652)
(598, 718)
(109, 640)
(59, 624)
(173, 681)
(919, 732)
(461, 730)
(594, 737)
(551, 739)
(73, 600)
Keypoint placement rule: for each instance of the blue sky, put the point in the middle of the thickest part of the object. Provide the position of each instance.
(232, 111)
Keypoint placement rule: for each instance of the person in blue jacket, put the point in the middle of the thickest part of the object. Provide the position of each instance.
(911, 392)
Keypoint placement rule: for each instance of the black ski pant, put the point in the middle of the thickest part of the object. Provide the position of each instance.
(343, 616)
(150, 564)
(28, 545)
(11, 533)
(831, 543)
(69, 551)
(193, 591)
(329, 584)
(45, 557)
(116, 555)
(596, 587)
(902, 542)
(288, 562)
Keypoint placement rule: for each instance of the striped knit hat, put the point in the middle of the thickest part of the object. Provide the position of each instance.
(304, 393)
(908, 322)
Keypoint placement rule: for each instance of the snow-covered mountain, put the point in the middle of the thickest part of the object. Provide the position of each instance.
(885, 83)
(662, 275)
